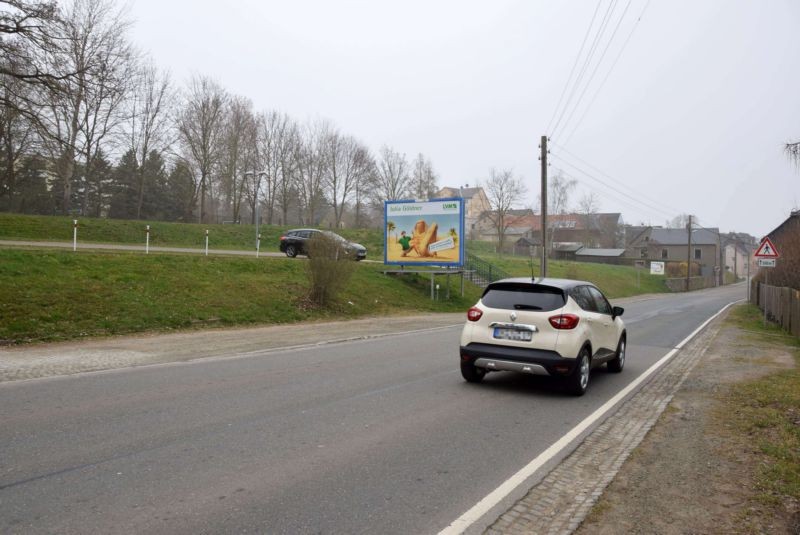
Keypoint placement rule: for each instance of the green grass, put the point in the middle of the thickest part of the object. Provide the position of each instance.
(767, 411)
(163, 234)
(61, 295)
(615, 281)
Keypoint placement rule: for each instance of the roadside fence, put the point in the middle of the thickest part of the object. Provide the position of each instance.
(781, 305)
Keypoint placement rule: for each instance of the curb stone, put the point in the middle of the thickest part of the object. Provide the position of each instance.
(560, 502)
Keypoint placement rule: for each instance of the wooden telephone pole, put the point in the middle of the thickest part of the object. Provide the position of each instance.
(543, 158)
(689, 253)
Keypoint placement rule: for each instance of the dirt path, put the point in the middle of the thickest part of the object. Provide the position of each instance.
(692, 473)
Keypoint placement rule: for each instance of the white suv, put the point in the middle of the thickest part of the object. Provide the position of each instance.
(555, 327)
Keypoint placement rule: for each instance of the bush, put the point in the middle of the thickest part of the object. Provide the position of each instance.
(329, 268)
(677, 270)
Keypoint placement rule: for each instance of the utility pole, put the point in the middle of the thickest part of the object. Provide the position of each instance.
(689, 252)
(543, 158)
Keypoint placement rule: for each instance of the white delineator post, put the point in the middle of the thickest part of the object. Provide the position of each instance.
(147, 241)
(206, 242)
(258, 245)
(74, 234)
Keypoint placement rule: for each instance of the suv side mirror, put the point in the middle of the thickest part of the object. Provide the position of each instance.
(617, 311)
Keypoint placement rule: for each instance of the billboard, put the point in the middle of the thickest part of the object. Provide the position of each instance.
(424, 232)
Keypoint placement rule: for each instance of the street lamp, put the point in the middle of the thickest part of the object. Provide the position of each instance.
(257, 210)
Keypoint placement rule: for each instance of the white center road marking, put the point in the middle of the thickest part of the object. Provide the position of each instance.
(497, 495)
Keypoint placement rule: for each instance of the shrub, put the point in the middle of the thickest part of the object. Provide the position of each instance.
(329, 268)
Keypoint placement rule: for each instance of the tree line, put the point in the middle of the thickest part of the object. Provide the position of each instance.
(90, 125)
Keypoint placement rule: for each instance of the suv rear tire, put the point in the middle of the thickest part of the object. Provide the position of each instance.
(578, 381)
(618, 362)
(471, 373)
(291, 252)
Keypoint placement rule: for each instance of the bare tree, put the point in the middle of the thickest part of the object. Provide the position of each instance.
(83, 110)
(392, 177)
(423, 178)
(312, 168)
(237, 156)
(31, 66)
(681, 221)
(587, 207)
(200, 125)
(150, 106)
(348, 163)
(504, 191)
(559, 193)
(17, 139)
(793, 151)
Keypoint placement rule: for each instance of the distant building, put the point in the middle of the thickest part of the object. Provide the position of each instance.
(672, 245)
(475, 203)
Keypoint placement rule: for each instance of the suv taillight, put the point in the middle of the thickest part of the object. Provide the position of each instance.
(564, 321)
(283, 238)
(474, 314)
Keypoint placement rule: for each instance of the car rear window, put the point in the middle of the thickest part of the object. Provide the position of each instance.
(523, 297)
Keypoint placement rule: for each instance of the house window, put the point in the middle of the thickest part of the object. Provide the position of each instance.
(698, 254)
(664, 254)
(643, 253)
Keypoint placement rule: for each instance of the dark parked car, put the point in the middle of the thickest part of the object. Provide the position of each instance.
(295, 242)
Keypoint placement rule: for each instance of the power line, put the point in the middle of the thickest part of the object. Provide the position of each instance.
(600, 31)
(611, 178)
(634, 199)
(608, 74)
(608, 196)
(575, 64)
(597, 65)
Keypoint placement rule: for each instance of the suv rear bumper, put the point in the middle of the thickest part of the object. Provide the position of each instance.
(533, 361)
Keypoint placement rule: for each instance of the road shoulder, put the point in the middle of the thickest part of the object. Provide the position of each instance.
(68, 358)
(697, 471)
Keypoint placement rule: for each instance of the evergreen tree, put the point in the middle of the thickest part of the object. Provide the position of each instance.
(181, 193)
(155, 198)
(123, 191)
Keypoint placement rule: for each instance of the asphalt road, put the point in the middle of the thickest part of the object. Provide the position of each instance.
(370, 436)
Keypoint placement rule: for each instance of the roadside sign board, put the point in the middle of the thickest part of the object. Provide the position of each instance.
(656, 268)
(766, 250)
(766, 262)
(424, 232)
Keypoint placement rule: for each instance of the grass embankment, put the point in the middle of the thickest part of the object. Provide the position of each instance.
(61, 295)
(766, 412)
(163, 234)
(615, 281)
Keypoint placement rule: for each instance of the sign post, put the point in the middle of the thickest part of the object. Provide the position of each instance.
(766, 256)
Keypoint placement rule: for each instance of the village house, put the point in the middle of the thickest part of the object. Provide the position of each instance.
(672, 245)
(475, 203)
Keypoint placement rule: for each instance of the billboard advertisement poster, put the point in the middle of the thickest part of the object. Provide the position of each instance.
(424, 232)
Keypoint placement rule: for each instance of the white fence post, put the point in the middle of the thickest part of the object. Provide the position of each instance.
(74, 234)
(206, 242)
(147, 241)
(258, 245)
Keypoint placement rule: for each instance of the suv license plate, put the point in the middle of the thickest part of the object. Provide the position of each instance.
(512, 334)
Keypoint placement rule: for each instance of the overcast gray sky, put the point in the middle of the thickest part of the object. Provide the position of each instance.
(692, 118)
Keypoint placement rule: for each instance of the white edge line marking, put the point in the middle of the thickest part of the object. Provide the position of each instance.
(497, 495)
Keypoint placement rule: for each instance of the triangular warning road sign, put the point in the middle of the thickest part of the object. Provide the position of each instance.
(766, 250)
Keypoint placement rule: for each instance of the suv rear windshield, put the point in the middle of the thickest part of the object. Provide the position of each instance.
(523, 297)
